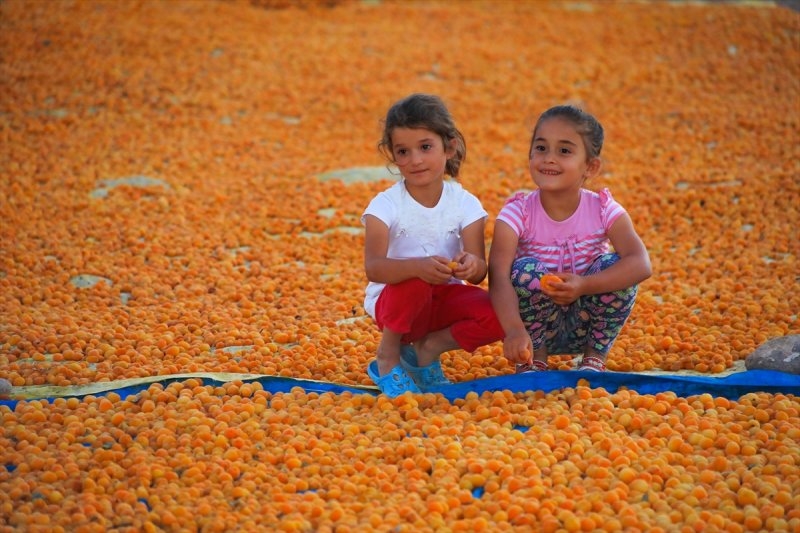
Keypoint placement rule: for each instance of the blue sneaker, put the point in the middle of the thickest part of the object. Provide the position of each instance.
(393, 384)
(426, 377)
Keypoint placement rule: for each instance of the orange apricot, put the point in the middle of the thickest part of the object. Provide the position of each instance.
(547, 281)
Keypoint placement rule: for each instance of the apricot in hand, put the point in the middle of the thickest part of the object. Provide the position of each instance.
(547, 280)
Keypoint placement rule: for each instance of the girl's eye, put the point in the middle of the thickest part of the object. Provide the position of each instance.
(538, 148)
(566, 151)
(426, 147)
(400, 152)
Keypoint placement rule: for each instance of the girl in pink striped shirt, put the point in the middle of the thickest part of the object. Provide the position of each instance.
(585, 238)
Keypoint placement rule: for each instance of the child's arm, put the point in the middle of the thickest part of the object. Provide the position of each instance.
(517, 343)
(382, 269)
(633, 267)
(472, 265)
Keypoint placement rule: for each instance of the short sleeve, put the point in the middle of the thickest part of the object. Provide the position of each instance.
(515, 211)
(472, 208)
(610, 209)
(381, 207)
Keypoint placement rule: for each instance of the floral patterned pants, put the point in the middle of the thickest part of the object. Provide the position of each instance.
(592, 321)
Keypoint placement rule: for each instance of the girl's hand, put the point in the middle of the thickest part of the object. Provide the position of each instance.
(464, 265)
(434, 269)
(567, 291)
(517, 347)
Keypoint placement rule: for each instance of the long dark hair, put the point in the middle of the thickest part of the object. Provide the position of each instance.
(590, 130)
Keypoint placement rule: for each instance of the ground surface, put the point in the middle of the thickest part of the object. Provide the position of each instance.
(167, 209)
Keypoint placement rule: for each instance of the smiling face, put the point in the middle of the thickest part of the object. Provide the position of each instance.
(420, 155)
(558, 158)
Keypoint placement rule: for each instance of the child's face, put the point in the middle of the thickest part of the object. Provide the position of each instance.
(558, 156)
(420, 154)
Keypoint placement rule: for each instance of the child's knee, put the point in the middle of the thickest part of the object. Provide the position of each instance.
(603, 262)
(528, 264)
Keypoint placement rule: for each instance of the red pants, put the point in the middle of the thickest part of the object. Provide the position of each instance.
(416, 308)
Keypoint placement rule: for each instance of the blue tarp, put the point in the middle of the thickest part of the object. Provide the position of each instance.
(732, 386)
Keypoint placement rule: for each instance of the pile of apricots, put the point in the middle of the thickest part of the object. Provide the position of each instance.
(163, 214)
(234, 457)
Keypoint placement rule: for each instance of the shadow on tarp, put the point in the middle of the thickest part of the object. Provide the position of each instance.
(732, 386)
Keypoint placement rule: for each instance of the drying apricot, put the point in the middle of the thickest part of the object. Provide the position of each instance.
(164, 221)
(547, 280)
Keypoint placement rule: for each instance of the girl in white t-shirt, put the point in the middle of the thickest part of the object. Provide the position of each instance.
(424, 252)
(563, 230)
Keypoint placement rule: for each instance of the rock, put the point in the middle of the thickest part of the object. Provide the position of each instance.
(360, 174)
(5, 388)
(142, 182)
(87, 281)
(782, 354)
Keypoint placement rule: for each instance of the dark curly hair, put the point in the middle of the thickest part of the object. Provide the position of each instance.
(429, 112)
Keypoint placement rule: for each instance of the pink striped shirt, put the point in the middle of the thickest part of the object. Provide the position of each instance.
(569, 245)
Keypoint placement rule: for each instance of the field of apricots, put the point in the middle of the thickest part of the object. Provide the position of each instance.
(182, 183)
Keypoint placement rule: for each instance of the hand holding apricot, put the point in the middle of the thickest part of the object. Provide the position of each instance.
(546, 282)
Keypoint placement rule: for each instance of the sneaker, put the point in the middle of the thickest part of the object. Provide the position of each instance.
(393, 384)
(592, 364)
(533, 366)
(425, 377)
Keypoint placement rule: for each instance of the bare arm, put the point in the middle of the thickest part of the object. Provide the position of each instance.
(633, 266)
(517, 343)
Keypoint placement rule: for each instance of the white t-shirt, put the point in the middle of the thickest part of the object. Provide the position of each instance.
(419, 231)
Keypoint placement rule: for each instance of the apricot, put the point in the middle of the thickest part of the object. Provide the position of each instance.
(547, 280)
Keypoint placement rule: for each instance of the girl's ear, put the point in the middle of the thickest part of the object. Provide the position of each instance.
(450, 148)
(593, 168)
